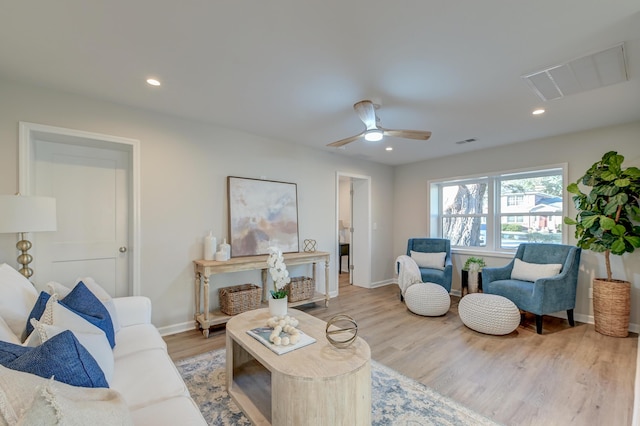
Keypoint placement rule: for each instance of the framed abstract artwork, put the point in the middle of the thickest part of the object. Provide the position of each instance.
(262, 213)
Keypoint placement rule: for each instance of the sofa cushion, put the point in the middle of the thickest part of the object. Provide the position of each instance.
(179, 410)
(429, 260)
(147, 377)
(61, 357)
(29, 400)
(17, 296)
(136, 338)
(85, 304)
(533, 271)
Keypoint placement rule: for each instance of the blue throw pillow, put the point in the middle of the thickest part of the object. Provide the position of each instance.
(80, 301)
(11, 351)
(62, 357)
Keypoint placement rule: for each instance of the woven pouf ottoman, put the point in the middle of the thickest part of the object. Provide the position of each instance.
(427, 299)
(489, 313)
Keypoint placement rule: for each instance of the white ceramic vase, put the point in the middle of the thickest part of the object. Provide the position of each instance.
(278, 307)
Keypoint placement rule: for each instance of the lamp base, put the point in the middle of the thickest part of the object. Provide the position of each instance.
(25, 258)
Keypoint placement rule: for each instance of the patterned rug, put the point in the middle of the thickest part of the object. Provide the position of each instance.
(395, 399)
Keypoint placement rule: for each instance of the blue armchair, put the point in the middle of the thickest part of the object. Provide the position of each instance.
(545, 295)
(434, 245)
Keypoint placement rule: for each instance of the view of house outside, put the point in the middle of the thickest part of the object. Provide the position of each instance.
(527, 209)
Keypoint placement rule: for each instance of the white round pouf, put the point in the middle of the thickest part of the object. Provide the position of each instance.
(427, 299)
(489, 313)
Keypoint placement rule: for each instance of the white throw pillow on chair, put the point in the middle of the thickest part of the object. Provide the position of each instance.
(429, 260)
(525, 271)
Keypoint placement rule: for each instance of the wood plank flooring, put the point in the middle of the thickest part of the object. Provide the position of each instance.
(566, 376)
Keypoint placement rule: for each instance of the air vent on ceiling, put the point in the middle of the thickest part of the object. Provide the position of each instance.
(466, 141)
(579, 75)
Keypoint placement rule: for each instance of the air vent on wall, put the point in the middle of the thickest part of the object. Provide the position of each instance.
(579, 75)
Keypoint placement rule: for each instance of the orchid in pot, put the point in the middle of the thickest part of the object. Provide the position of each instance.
(280, 277)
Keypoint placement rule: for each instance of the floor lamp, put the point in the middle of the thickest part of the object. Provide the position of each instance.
(23, 214)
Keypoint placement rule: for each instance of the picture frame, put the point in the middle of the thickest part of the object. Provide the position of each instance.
(262, 213)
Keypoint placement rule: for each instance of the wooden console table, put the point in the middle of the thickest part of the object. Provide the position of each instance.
(205, 268)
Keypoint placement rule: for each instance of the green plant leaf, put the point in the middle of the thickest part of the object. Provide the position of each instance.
(573, 188)
(569, 221)
(634, 241)
(618, 230)
(621, 183)
(618, 247)
(608, 175)
(588, 221)
(607, 223)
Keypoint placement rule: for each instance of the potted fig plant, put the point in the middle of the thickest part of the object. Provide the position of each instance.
(471, 274)
(606, 222)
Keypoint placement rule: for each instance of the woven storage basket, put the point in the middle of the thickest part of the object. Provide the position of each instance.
(239, 298)
(611, 307)
(300, 288)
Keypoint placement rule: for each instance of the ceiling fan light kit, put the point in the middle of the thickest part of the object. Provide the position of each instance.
(373, 135)
(373, 132)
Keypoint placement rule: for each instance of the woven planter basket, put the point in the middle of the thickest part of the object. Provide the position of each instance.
(611, 307)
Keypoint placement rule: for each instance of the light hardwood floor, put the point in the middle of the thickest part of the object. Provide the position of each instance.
(566, 376)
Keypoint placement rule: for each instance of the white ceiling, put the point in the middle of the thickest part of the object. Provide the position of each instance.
(292, 69)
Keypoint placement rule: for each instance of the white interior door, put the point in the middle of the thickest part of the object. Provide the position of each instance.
(91, 188)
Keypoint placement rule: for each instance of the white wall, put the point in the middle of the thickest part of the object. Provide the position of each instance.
(184, 165)
(579, 150)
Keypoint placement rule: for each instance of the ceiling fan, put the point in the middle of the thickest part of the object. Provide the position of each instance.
(373, 132)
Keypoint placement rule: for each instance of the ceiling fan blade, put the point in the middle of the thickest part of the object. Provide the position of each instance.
(422, 135)
(343, 142)
(367, 113)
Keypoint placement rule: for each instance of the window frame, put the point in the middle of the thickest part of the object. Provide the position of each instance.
(494, 214)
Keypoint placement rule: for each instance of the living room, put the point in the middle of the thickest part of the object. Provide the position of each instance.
(184, 163)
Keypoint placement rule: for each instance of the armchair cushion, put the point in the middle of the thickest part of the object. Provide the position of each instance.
(429, 260)
(526, 271)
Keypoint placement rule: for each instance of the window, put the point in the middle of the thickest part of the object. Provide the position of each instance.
(499, 211)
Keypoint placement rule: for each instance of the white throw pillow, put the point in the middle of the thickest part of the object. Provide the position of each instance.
(28, 399)
(429, 260)
(6, 334)
(63, 319)
(533, 271)
(95, 288)
(17, 297)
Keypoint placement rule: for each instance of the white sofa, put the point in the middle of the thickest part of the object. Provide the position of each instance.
(145, 386)
(144, 374)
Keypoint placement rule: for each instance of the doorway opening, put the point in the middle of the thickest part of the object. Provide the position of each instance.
(353, 226)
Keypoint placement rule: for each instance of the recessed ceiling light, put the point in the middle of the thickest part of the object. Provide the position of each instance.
(389, 148)
(538, 111)
(153, 82)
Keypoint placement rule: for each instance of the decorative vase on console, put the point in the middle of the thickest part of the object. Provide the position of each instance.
(280, 277)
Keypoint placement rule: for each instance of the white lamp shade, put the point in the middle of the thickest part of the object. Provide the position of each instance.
(27, 214)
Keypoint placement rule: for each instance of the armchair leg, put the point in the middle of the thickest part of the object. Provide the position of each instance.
(572, 323)
(539, 324)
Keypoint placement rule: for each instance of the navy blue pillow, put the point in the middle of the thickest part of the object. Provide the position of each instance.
(82, 302)
(62, 357)
(10, 351)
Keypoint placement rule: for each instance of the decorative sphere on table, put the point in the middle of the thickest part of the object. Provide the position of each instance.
(344, 331)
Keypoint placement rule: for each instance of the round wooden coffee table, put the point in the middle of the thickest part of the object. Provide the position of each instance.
(315, 384)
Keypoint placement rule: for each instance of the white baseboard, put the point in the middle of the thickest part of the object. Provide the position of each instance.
(177, 328)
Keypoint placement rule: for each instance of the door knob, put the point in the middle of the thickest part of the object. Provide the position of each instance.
(122, 249)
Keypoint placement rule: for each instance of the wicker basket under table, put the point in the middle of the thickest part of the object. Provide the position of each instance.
(300, 288)
(239, 298)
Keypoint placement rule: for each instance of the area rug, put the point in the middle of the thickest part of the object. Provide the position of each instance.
(395, 399)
